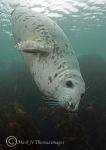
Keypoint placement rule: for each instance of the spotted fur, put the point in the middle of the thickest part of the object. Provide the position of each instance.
(50, 56)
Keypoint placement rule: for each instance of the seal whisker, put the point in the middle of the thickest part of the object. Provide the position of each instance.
(52, 104)
(53, 100)
(87, 88)
(50, 99)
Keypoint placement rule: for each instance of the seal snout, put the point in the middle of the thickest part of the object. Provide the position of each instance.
(70, 106)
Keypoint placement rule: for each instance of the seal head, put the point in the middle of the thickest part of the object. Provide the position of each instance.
(50, 57)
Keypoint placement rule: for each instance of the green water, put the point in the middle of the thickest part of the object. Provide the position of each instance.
(83, 21)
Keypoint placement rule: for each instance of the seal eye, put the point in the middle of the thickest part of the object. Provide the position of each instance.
(69, 84)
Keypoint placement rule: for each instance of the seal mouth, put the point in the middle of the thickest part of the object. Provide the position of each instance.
(70, 106)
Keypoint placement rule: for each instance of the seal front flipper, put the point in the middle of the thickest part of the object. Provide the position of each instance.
(33, 47)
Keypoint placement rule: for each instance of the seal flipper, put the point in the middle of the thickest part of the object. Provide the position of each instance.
(33, 47)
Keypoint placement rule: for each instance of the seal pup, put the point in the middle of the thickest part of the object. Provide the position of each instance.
(50, 57)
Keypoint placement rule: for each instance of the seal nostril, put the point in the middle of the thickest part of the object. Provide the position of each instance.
(72, 106)
(82, 95)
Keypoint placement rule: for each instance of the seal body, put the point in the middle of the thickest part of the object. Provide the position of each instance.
(50, 57)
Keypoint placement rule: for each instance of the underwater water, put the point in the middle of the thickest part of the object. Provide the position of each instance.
(22, 111)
